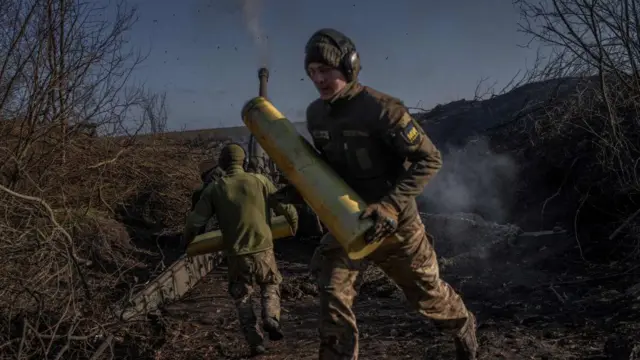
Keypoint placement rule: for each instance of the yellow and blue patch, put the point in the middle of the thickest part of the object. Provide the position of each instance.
(410, 132)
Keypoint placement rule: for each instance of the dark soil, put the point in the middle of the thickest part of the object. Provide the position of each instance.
(532, 298)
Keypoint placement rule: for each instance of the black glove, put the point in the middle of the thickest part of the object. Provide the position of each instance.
(385, 218)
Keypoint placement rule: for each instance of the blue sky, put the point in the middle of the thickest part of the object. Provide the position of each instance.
(424, 52)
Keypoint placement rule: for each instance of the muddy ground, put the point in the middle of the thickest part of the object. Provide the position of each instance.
(534, 297)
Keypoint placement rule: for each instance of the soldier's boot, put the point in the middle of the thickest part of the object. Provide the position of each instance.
(466, 341)
(272, 327)
(250, 329)
(257, 350)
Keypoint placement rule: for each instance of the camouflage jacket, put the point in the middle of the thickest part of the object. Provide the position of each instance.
(242, 202)
(374, 144)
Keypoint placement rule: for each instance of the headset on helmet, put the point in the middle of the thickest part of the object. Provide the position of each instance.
(349, 62)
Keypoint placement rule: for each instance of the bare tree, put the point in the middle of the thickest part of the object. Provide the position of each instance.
(596, 44)
(61, 64)
(592, 130)
(64, 73)
(155, 111)
(485, 91)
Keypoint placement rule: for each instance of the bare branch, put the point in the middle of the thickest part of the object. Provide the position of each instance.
(594, 50)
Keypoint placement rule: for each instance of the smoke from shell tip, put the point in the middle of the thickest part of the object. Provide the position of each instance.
(251, 11)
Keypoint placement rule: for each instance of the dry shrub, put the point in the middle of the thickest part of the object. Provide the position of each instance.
(587, 143)
(600, 140)
(78, 211)
(103, 240)
(574, 133)
(65, 228)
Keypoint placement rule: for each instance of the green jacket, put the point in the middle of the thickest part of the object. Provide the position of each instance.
(242, 202)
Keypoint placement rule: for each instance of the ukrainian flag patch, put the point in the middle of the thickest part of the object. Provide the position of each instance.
(411, 133)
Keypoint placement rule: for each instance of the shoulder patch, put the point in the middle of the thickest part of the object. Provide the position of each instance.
(410, 131)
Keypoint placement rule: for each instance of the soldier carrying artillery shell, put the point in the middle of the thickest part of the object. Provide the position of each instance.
(242, 203)
(372, 142)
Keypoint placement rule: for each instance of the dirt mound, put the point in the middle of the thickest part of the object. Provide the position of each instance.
(569, 163)
(455, 123)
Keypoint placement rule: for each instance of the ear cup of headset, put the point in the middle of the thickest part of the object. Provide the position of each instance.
(350, 64)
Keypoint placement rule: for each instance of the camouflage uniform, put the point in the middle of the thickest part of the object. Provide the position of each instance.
(242, 201)
(373, 143)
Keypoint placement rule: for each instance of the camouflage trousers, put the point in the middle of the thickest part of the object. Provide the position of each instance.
(246, 271)
(409, 260)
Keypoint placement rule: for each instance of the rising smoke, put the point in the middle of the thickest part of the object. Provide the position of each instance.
(251, 11)
(473, 179)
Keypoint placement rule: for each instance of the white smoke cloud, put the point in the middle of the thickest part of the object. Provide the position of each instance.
(473, 179)
(252, 12)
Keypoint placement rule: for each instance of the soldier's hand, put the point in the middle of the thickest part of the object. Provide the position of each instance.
(385, 219)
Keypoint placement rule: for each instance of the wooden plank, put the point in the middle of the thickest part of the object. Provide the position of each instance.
(171, 284)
